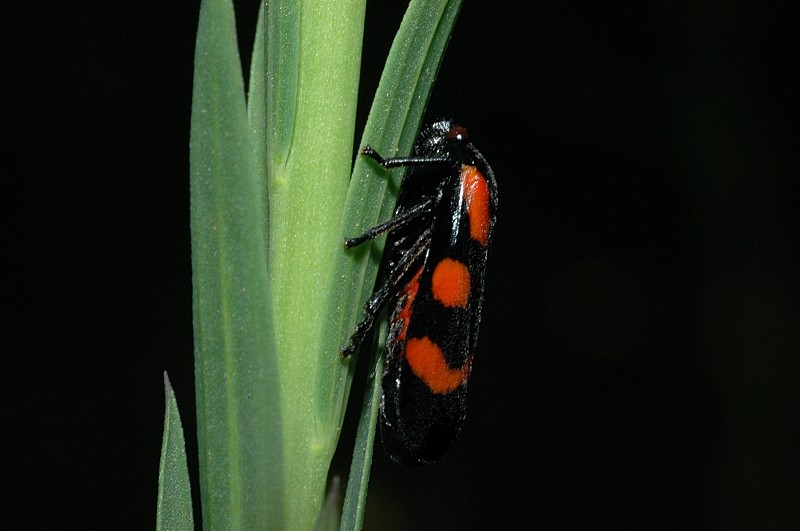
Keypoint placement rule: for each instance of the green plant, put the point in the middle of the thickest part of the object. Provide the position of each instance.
(275, 295)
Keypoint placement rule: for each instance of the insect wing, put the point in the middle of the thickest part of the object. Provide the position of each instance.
(435, 324)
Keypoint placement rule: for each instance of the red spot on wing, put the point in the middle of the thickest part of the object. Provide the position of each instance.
(428, 363)
(404, 315)
(450, 283)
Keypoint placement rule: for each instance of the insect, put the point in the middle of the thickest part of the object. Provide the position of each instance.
(435, 262)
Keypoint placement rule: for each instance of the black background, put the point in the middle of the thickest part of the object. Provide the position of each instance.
(638, 359)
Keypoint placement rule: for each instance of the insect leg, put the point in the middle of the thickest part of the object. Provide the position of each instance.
(403, 161)
(396, 222)
(389, 288)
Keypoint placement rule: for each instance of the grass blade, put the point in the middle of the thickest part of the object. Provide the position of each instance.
(234, 374)
(174, 508)
(355, 500)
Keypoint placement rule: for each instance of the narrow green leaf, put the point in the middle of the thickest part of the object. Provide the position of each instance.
(355, 500)
(256, 116)
(174, 508)
(235, 377)
(283, 66)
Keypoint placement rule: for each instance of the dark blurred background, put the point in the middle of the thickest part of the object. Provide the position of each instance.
(638, 361)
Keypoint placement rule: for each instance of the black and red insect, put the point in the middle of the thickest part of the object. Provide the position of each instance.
(434, 275)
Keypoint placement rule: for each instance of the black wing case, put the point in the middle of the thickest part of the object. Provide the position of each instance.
(434, 325)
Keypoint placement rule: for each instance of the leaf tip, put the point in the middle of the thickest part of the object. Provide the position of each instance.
(167, 384)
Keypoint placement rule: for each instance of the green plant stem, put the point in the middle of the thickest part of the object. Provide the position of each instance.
(312, 108)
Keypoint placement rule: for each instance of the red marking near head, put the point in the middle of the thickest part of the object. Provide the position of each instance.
(457, 132)
(476, 195)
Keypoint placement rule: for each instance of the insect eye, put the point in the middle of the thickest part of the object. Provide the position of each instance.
(458, 133)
